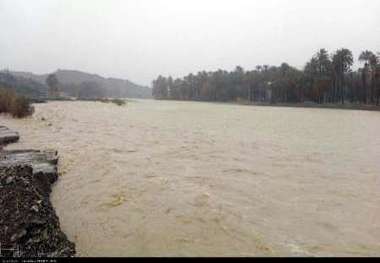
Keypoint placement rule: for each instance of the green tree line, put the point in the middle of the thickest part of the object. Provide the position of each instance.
(326, 78)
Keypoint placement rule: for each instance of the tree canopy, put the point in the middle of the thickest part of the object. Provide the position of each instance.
(326, 78)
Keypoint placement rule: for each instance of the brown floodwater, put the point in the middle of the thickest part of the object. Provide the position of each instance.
(164, 178)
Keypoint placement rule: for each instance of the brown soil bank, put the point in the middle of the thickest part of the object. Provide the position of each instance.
(29, 226)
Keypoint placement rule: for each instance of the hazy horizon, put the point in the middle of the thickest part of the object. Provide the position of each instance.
(140, 40)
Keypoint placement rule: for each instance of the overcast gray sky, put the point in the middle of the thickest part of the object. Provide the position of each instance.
(140, 39)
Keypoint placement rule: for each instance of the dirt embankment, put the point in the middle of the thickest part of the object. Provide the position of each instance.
(29, 226)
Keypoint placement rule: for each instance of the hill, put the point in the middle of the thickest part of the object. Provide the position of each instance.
(112, 87)
(23, 85)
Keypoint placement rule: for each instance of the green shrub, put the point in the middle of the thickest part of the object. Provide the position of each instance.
(118, 102)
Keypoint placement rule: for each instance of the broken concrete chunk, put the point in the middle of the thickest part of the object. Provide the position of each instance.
(8, 136)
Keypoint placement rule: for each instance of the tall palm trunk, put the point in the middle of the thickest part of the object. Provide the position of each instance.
(373, 86)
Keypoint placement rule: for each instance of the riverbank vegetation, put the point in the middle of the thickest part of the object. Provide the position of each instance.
(118, 102)
(16, 105)
(325, 79)
(85, 91)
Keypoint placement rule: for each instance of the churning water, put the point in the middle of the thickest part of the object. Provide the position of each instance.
(163, 178)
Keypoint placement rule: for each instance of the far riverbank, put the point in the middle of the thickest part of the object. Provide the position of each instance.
(346, 106)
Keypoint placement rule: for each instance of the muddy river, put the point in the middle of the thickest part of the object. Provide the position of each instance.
(164, 178)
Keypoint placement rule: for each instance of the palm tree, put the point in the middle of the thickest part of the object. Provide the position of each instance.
(324, 72)
(310, 74)
(342, 62)
(324, 63)
(370, 61)
(373, 62)
(366, 56)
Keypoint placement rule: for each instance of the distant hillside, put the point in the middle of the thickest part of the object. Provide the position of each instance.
(23, 85)
(112, 87)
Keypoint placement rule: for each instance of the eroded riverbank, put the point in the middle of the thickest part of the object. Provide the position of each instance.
(164, 178)
(29, 226)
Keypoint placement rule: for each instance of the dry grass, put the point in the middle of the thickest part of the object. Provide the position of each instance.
(15, 105)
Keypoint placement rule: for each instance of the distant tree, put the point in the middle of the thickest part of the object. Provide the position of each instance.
(377, 82)
(324, 63)
(373, 62)
(342, 62)
(324, 79)
(160, 88)
(370, 61)
(70, 89)
(91, 90)
(324, 74)
(310, 75)
(53, 84)
(170, 87)
(318, 74)
(366, 56)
